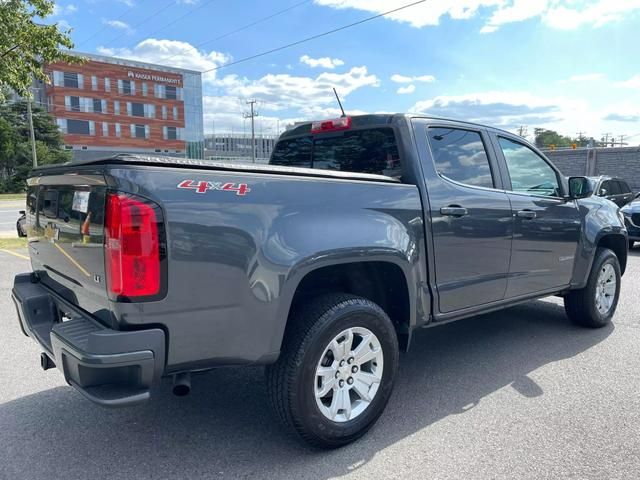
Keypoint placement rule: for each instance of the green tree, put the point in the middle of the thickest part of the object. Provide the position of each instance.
(26, 45)
(15, 148)
(545, 138)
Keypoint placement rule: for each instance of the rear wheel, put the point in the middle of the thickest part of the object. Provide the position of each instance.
(594, 305)
(336, 370)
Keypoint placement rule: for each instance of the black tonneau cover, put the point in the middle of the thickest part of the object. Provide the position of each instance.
(127, 159)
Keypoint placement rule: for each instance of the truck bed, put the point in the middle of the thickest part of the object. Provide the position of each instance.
(125, 159)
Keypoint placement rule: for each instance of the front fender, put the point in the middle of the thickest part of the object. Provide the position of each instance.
(599, 220)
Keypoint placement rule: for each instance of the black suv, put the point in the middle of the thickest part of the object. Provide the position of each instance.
(614, 189)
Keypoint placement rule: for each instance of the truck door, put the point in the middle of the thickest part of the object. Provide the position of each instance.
(469, 215)
(546, 225)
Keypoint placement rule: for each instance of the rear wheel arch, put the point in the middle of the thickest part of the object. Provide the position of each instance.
(381, 281)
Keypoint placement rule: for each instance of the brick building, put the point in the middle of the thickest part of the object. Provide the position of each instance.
(109, 105)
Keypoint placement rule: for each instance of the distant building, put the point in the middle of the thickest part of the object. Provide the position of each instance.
(237, 147)
(109, 105)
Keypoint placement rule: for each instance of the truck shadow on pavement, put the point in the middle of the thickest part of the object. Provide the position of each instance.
(224, 429)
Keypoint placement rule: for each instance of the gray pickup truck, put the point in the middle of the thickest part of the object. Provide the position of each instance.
(319, 265)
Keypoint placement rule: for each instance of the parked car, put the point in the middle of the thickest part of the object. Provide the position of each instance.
(320, 265)
(21, 224)
(631, 213)
(615, 189)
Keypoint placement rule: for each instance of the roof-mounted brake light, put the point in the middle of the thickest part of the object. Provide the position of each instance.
(337, 124)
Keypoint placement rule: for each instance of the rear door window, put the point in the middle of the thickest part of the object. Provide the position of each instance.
(460, 155)
(369, 150)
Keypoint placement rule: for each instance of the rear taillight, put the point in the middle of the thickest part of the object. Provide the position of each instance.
(132, 247)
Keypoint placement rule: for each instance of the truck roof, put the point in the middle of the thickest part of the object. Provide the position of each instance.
(381, 119)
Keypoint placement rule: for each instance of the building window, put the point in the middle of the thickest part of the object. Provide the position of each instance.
(118, 130)
(72, 103)
(170, 93)
(158, 90)
(81, 127)
(170, 133)
(135, 109)
(150, 111)
(175, 113)
(127, 87)
(139, 131)
(164, 112)
(116, 107)
(94, 82)
(105, 129)
(144, 89)
(107, 85)
(73, 80)
(99, 106)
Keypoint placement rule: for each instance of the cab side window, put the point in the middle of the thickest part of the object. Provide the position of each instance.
(529, 172)
(460, 155)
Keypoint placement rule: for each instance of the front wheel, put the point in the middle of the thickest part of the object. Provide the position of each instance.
(594, 305)
(336, 371)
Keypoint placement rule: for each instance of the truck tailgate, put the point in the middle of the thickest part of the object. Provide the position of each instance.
(65, 228)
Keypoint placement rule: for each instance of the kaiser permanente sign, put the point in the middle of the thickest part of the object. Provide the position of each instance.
(153, 78)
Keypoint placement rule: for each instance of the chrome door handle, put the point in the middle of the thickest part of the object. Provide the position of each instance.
(526, 214)
(454, 211)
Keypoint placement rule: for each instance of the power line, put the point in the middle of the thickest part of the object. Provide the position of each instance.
(187, 13)
(313, 37)
(105, 26)
(146, 19)
(239, 29)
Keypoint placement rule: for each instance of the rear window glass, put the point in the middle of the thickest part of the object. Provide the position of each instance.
(372, 150)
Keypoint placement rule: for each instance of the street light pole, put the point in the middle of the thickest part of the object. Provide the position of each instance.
(32, 134)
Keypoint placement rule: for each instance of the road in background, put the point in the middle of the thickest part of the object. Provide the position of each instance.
(516, 394)
(9, 215)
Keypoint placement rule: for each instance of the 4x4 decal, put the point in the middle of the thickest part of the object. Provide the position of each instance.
(203, 186)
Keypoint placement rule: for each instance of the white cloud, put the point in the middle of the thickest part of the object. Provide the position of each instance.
(63, 25)
(59, 10)
(427, 13)
(324, 62)
(128, 3)
(518, 11)
(559, 14)
(118, 25)
(284, 91)
(582, 78)
(173, 53)
(408, 89)
(397, 78)
(633, 82)
(502, 109)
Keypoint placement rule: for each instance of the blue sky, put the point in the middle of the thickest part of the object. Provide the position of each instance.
(569, 65)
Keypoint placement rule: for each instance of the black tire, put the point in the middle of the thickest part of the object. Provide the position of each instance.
(631, 242)
(290, 381)
(580, 305)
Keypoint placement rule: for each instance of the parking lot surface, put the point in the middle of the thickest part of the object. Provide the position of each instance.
(516, 394)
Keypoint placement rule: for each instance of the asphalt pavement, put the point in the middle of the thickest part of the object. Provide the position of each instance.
(519, 394)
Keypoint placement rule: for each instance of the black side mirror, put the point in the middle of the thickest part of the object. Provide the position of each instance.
(22, 212)
(579, 187)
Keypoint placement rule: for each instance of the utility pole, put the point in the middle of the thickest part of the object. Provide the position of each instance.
(522, 131)
(605, 138)
(32, 133)
(622, 140)
(252, 116)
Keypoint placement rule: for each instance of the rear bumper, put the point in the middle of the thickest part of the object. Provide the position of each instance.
(110, 367)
